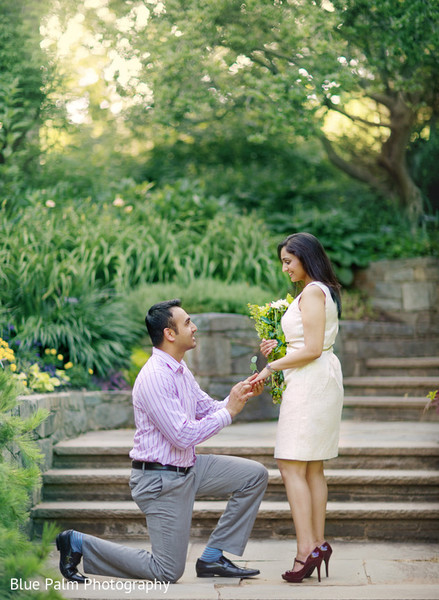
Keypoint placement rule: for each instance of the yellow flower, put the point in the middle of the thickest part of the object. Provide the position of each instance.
(60, 357)
(91, 371)
(53, 351)
(47, 351)
(13, 367)
(68, 365)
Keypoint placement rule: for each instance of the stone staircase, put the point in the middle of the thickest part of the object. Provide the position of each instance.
(392, 389)
(384, 485)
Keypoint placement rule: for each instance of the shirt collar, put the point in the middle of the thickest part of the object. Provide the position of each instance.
(173, 364)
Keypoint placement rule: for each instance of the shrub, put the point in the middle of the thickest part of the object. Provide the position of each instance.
(19, 475)
(199, 296)
(67, 264)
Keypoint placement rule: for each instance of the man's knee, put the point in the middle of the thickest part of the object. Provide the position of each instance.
(171, 571)
(259, 473)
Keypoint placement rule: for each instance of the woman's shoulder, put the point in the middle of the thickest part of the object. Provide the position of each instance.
(314, 286)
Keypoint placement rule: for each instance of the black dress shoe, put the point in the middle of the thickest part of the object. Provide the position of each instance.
(222, 567)
(68, 559)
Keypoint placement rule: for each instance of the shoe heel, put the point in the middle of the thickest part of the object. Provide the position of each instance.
(318, 570)
(326, 551)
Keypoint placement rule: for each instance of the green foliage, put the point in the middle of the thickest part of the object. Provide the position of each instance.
(22, 69)
(357, 306)
(67, 264)
(354, 234)
(433, 401)
(278, 69)
(268, 326)
(19, 475)
(197, 296)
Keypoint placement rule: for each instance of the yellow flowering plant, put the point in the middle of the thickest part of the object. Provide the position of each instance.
(7, 356)
(267, 320)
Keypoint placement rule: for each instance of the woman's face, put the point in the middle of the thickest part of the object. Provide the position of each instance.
(292, 265)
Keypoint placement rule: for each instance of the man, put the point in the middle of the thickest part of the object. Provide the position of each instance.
(173, 415)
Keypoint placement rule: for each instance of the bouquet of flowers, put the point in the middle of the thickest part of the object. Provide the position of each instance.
(267, 324)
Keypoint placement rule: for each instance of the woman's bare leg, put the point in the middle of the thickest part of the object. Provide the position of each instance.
(294, 476)
(318, 487)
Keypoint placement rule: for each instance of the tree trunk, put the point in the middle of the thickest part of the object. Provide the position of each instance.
(391, 176)
(393, 158)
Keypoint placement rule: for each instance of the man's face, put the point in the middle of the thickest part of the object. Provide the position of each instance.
(184, 332)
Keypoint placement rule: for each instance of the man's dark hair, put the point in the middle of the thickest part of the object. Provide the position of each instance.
(158, 318)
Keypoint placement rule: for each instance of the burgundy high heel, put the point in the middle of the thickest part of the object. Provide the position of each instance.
(326, 551)
(314, 560)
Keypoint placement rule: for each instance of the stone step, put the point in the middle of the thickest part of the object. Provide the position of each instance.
(387, 408)
(375, 445)
(418, 365)
(343, 484)
(350, 457)
(394, 385)
(396, 521)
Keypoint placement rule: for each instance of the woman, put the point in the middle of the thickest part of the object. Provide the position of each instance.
(310, 413)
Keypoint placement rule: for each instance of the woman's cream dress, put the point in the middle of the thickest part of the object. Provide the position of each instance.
(310, 413)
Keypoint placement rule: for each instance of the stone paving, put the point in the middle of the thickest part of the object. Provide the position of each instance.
(358, 570)
(378, 571)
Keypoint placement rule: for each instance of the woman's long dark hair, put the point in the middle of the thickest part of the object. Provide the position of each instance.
(315, 261)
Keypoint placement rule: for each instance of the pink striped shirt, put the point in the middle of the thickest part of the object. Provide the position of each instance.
(172, 414)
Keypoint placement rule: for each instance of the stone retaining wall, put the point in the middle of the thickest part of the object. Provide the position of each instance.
(76, 412)
(407, 289)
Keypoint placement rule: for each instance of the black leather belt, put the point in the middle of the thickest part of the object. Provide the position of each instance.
(155, 466)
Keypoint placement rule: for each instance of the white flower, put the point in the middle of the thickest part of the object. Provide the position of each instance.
(279, 304)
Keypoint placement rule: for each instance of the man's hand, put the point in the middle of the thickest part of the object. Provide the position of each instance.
(239, 395)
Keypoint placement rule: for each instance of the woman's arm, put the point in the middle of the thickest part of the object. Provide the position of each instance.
(312, 307)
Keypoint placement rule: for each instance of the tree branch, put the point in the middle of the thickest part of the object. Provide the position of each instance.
(268, 65)
(353, 117)
(355, 171)
(277, 54)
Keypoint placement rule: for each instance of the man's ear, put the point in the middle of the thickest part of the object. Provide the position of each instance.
(169, 334)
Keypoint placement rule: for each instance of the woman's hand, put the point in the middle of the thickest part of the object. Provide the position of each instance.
(256, 383)
(261, 377)
(267, 346)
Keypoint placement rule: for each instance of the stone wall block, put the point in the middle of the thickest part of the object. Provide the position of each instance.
(75, 422)
(211, 356)
(399, 274)
(388, 289)
(417, 296)
(48, 426)
(387, 304)
(111, 417)
(241, 358)
(92, 399)
(417, 279)
(45, 447)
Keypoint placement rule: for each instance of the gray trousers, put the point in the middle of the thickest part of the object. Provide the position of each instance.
(167, 499)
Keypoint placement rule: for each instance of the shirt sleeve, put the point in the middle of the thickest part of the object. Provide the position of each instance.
(158, 397)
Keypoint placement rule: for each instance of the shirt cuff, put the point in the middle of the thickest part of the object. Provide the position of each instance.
(224, 417)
